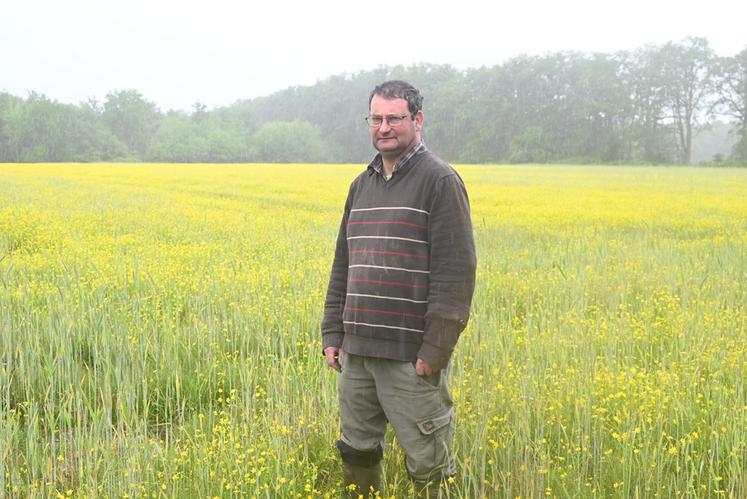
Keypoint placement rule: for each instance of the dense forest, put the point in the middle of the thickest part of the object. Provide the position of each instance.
(641, 106)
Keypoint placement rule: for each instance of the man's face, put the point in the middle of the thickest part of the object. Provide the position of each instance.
(394, 141)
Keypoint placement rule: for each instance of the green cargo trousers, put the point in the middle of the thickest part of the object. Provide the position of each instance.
(375, 391)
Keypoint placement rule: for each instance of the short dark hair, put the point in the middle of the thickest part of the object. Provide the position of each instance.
(398, 89)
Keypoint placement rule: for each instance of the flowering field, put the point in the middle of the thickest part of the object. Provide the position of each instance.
(159, 333)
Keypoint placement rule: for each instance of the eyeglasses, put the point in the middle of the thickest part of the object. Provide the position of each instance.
(375, 121)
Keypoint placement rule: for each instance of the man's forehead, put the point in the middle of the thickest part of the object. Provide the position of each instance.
(384, 103)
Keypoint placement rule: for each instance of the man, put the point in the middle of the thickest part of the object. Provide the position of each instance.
(399, 296)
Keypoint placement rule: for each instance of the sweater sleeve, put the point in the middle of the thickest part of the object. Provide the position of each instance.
(452, 271)
(332, 328)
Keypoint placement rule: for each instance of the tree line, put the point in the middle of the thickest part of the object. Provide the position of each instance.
(641, 106)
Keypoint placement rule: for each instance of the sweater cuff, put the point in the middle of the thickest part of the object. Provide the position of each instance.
(332, 340)
(439, 340)
(436, 357)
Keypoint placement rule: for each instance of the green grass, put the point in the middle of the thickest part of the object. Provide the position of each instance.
(160, 333)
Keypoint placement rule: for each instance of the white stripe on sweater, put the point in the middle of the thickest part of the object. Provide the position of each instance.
(390, 268)
(391, 208)
(388, 237)
(382, 325)
(387, 298)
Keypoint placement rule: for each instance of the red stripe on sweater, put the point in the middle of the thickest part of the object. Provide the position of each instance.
(395, 222)
(387, 312)
(390, 253)
(389, 283)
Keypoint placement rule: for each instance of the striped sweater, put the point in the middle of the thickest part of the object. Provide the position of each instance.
(404, 268)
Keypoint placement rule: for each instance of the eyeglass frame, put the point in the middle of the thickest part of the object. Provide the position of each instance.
(397, 117)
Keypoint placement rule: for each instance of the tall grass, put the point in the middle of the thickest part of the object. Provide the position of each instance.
(159, 333)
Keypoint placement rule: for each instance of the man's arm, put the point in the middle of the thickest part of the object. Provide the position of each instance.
(332, 327)
(452, 273)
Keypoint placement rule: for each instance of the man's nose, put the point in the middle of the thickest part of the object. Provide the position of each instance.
(385, 125)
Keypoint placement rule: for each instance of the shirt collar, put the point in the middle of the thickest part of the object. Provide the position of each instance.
(377, 165)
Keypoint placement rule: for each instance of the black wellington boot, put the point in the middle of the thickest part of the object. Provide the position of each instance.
(367, 480)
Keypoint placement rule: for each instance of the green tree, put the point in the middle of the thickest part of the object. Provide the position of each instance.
(487, 119)
(40, 129)
(647, 136)
(177, 141)
(289, 142)
(11, 108)
(733, 91)
(641, 106)
(227, 133)
(596, 106)
(689, 73)
(35, 130)
(529, 147)
(132, 119)
(205, 136)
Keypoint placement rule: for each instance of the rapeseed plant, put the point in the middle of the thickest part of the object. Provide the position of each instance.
(160, 333)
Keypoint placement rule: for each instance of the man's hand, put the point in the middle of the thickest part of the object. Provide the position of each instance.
(422, 368)
(334, 357)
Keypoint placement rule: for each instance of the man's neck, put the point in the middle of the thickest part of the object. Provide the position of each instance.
(388, 165)
(389, 162)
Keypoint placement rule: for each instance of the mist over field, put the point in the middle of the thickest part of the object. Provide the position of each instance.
(675, 103)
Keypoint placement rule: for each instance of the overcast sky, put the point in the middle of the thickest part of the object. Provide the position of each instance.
(178, 52)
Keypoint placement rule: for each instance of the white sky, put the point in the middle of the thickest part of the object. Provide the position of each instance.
(178, 52)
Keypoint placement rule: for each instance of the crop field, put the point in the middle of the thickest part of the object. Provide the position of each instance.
(159, 333)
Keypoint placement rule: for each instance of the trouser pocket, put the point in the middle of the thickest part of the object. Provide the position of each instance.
(431, 458)
(432, 380)
(431, 425)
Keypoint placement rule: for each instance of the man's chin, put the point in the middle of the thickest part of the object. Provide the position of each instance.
(387, 147)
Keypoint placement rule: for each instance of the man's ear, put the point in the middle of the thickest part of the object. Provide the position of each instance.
(419, 117)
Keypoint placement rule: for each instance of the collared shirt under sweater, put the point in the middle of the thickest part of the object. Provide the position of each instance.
(404, 269)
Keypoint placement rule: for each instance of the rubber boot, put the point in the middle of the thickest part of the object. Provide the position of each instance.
(367, 480)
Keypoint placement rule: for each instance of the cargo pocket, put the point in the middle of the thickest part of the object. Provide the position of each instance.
(435, 423)
(434, 461)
